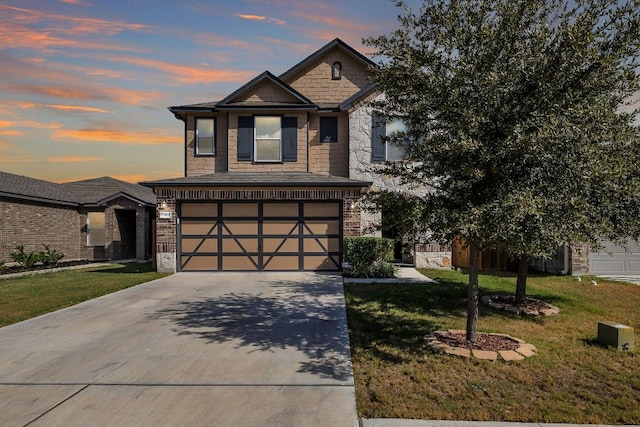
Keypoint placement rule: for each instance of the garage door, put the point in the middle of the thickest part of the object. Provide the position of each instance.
(615, 259)
(260, 236)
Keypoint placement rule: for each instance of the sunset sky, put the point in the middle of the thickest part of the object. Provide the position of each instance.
(85, 84)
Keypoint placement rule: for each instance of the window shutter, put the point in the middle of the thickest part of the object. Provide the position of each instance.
(378, 131)
(290, 139)
(245, 138)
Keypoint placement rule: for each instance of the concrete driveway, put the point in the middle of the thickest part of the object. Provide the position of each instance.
(223, 349)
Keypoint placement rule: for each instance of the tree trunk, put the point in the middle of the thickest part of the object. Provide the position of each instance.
(472, 310)
(521, 283)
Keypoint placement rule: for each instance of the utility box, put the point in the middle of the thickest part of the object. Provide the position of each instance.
(616, 335)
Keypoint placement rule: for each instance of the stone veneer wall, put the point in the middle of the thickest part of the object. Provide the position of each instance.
(362, 168)
(166, 229)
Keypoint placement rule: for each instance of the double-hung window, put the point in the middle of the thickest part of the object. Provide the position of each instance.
(395, 150)
(268, 132)
(383, 149)
(205, 137)
(267, 139)
(95, 229)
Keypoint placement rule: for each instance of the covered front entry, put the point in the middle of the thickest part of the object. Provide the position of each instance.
(260, 235)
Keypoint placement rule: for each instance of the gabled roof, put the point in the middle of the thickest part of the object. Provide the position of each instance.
(98, 191)
(91, 192)
(259, 179)
(230, 101)
(301, 103)
(23, 187)
(319, 53)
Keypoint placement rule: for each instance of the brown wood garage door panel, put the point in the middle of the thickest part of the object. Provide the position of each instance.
(250, 236)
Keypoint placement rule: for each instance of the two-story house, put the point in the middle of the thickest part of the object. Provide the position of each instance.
(267, 181)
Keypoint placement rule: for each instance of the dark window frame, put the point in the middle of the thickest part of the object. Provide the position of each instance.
(332, 132)
(336, 71)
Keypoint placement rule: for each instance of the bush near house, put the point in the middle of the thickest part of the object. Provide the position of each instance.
(27, 260)
(369, 257)
(51, 257)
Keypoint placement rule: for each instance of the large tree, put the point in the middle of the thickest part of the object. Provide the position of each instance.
(516, 120)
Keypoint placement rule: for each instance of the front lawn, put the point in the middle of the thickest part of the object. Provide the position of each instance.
(572, 379)
(22, 298)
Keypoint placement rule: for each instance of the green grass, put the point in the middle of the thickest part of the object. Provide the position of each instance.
(26, 297)
(572, 379)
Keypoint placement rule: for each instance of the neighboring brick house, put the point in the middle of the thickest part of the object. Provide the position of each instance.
(95, 219)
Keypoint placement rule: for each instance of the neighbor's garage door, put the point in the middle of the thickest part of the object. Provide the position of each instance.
(615, 260)
(257, 236)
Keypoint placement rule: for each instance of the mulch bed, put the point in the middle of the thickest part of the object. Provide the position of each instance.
(38, 267)
(530, 306)
(486, 342)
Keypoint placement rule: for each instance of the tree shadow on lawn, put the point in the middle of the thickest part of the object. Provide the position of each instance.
(307, 317)
(391, 321)
(128, 268)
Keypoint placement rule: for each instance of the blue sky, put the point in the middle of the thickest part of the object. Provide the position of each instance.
(85, 84)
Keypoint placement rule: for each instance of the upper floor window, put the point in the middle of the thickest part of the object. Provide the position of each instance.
(395, 150)
(328, 129)
(95, 229)
(205, 137)
(336, 71)
(382, 150)
(267, 138)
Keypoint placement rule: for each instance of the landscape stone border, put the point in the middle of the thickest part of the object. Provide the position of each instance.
(493, 302)
(523, 351)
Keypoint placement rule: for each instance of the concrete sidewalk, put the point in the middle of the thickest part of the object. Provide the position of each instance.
(191, 349)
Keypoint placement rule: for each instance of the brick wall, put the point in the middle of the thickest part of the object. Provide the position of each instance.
(65, 230)
(33, 225)
(579, 259)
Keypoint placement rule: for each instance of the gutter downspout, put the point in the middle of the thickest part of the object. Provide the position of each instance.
(565, 271)
(308, 143)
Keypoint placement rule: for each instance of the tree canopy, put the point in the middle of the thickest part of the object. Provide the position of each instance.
(519, 121)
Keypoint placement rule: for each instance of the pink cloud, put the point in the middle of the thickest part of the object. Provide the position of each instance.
(252, 17)
(74, 159)
(17, 158)
(11, 133)
(113, 136)
(189, 75)
(77, 108)
(77, 2)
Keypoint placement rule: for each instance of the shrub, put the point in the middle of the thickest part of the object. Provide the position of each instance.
(382, 269)
(26, 260)
(365, 253)
(51, 256)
